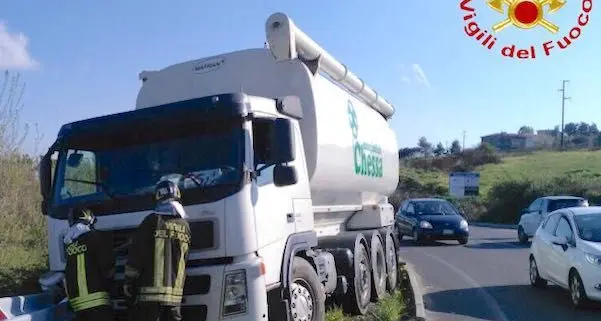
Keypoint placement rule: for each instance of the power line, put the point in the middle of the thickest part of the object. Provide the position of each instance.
(563, 102)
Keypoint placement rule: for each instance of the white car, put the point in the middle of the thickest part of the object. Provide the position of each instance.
(538, 211)
(566, 250)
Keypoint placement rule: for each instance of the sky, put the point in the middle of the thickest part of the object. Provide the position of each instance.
(81, 59)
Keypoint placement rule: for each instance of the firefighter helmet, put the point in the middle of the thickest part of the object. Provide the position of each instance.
(81, 215)
(166, 191)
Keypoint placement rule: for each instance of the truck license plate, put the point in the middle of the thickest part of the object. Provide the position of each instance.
(447, 232)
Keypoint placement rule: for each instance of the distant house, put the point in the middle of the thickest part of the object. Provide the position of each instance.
(547, 132)
(507, 141)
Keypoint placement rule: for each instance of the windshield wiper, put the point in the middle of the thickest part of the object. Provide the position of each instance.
(105, 189)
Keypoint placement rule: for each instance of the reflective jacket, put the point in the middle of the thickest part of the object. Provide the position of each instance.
(156, 265)
(89, 271)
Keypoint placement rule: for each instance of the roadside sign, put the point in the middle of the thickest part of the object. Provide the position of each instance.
(464, 184)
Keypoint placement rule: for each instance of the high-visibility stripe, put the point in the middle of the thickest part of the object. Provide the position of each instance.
(82, 282)
(160, 290)
(167, 298)
(89, 301)
(181, 269)
(159, 262)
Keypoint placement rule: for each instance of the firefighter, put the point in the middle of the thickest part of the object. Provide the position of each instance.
(90, 268)
(156, 266)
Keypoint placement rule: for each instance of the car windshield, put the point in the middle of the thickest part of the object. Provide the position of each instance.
(434, 208)
(589, 226)
(564, 203)
(194, 157)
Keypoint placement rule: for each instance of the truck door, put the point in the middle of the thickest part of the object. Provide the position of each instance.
(273, 206)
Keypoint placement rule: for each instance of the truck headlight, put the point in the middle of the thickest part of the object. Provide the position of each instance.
(425, 224)
(234, 293)
(463, 225)
(593, 259)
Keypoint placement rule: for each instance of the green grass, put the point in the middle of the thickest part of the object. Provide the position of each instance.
(539, 165)
(336, 314)
(23, 253)
(533, 166)
(389, 308)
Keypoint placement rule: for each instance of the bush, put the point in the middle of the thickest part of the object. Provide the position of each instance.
(23, 238)
(464, 161)
(507, 199)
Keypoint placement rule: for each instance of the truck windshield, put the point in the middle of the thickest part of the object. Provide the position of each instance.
(129, 164)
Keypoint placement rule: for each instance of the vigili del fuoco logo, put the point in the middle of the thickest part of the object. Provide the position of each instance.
(526, 14)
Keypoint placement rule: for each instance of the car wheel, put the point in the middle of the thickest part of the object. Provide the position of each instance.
(463, 240)
(522, 237)
(535, 279)
(577, 292)
(416, 238)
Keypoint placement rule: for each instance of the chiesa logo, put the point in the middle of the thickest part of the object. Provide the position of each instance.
(526, 15)
(368, 157)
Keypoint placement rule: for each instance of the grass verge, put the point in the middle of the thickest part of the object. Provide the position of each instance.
(395, 306)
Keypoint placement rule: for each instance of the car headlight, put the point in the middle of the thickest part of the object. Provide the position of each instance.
(234, 294)
(463, 225)
(425, 224)
(593, 259)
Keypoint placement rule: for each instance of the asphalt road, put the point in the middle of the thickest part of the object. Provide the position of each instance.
(486, 279)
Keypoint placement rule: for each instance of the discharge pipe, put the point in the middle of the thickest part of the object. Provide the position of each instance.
(286, 42)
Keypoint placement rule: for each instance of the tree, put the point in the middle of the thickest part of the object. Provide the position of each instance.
(425, 146)
(526, 130)
(593, 130)
(455, 147)
(439, 150)
(407, 152)
(583, 129)
(11, 104)
(570, 129)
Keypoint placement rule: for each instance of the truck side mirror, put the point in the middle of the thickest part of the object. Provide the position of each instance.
(45, 180)
(284, 175)
(282, 141)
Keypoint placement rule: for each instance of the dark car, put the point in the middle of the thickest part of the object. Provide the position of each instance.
(427, 219)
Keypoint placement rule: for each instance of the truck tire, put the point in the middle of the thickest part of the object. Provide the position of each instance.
(378, 268)
(359, 295)
(307, 298)
(391, 264)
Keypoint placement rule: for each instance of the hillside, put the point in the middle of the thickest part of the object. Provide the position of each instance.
(507, 183)
(540, 165)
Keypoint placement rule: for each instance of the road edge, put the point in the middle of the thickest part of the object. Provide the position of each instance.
(416, 288)
(494, 225)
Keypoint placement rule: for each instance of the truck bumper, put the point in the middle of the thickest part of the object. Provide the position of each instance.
(210, 304)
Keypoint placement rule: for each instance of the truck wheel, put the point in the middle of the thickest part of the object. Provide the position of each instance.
(359, 295)
(378, 264)
(307, 298)
(391, 264)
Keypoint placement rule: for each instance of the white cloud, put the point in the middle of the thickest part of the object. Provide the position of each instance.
(13, 50)
(414, 74)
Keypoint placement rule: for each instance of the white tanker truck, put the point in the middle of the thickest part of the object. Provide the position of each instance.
(291, 159)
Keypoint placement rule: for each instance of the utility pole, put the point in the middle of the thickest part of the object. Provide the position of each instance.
(463, 145)
(563, 102)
